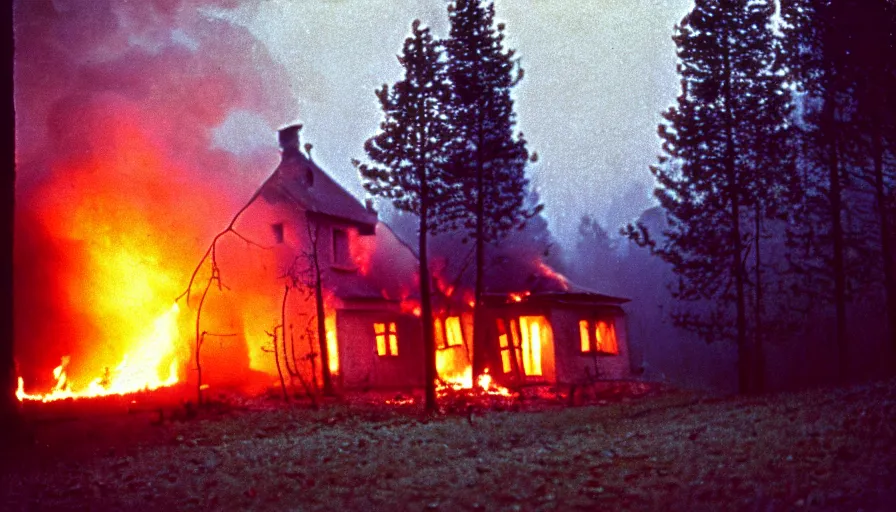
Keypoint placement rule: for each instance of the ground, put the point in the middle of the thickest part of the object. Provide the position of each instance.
(830, 449)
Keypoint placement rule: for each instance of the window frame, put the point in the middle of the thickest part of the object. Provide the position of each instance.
(589, 326)
(279, 232)
(334, 253)
(385, 336)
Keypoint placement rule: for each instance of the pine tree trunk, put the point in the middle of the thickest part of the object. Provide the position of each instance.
(480, 348)
(9, 404)
(885, 234)
(321, 313)
(835, 199)
(759, 354)
(734, 196)
(429, 346)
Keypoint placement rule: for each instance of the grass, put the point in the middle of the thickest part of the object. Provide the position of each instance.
(831, 449)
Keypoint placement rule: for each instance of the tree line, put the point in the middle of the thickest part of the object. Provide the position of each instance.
(777, 172)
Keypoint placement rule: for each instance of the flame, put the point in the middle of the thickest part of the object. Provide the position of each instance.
(484, 384)
(138, 370)
(553, 274)
(332, 344)
(518, 297)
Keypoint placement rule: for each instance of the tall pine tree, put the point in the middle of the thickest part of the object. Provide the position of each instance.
(716, 172)
(488, 157)
(409, 160)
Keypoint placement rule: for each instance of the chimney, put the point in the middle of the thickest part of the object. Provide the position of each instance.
(289, 141)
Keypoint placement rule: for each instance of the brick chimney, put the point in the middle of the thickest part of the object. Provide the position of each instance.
(289, 141)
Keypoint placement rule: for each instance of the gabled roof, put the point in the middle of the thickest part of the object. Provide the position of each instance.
(300, 181)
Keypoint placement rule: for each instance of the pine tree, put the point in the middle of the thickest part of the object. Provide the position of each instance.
(718, 169)
(409, 159)
(488, 157)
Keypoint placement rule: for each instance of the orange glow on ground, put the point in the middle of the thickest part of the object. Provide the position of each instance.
(484, 384)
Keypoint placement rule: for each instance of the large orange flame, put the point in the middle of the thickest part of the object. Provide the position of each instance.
(139, 370)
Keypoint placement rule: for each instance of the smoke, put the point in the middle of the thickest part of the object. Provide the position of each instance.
(125, 113)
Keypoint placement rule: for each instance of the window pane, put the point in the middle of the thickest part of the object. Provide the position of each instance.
(583, 335)
(505, 356)
(439, 333)
(502, 340)
(530, 331)
(455, 335)
(612, 347)
(606, 337)
(393, 344)
(381, 344)
(379, 328)
(278, 232)
(341, 254)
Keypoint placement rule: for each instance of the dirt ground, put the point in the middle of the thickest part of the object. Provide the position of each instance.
(632, 448)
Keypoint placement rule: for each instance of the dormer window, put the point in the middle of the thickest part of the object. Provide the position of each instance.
(341, 253)
(278, 232)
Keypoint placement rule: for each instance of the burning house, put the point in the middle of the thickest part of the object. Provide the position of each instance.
(540, 327)
(309, 238)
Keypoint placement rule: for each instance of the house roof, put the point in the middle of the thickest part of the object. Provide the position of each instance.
(300, 181)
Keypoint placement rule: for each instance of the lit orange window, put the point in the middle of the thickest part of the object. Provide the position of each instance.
(603, 340)
(386, 339)
(439, 333)
(505, 347)
(583, 335)
(531, 333)
(454, 334)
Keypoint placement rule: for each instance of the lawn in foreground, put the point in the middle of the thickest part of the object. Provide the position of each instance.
(829, 449)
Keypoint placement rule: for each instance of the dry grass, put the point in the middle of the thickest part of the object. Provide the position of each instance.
(819, 450)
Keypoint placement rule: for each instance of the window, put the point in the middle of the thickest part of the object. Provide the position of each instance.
(278, 232)
(448, 333)
(504, 343)
(520, 341)
(386, 338)
(598, 336)
(341, 255)
(439, 333)
(530, 331)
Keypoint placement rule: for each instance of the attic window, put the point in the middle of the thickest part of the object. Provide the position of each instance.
(386, 339)
(341, 253)
(598, 336)
(278, 232)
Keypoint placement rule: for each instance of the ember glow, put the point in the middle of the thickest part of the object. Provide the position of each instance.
(484, 384)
